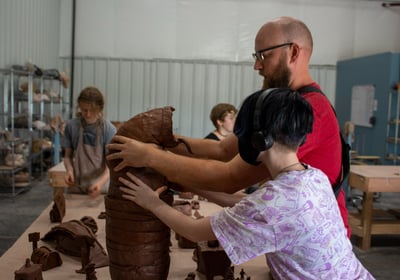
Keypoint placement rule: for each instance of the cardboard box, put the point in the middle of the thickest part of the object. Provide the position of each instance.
(56, 176)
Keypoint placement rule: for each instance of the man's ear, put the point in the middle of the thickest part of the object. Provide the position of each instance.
(294, 52)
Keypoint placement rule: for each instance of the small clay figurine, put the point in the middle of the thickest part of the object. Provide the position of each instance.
(212, 243)
(185, 195)
(34, 237)
(57, 213)
(86, 244)
(191, 276)
(197, 215)
(243, 274)
(211, 260)
(43, 255)
(229, 274)
(195, 204)
(29, 271)
(102, 215)
(90, 223)
(90, 272)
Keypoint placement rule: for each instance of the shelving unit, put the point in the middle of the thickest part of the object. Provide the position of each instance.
(393, 127)
(30, 103)
(12, 163)
(55, 105)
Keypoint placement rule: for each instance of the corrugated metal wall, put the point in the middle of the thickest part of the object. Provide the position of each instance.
(192, 87)
(29, 31)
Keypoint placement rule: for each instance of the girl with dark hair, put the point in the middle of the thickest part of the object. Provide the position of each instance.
(293, 218)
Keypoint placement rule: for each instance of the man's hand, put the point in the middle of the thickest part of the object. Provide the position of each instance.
(132, 152)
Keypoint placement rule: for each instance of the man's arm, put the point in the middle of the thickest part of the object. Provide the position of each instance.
(223, 150)
(197, 173)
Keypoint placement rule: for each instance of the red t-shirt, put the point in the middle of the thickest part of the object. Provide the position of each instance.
(323, 148)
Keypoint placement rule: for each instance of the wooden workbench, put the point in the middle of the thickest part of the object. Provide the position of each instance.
(81, 205)
(371, 179)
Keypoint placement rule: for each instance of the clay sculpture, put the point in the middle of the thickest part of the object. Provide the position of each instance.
(72, 237)
(137, 241)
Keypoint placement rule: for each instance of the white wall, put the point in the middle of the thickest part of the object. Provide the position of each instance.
(192, 54)
(186, 53)
(29, 31)
(224, 29)
(192, 87)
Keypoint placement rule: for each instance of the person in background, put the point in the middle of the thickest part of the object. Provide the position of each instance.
(223, 117)
(293, 219)
(84, 143)
(283, 49)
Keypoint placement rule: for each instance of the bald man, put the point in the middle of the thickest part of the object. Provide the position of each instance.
(283, 48)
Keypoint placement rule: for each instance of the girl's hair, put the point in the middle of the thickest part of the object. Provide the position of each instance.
(93, 96)
(220, 111)
(286, 117)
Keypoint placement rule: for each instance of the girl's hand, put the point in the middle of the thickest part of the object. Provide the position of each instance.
(94, 190)
(70, 179)
(137, 191)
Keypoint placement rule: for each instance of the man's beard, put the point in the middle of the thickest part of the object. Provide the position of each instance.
(279, 79)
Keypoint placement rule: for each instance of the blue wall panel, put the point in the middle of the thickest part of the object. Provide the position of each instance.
(380, 70)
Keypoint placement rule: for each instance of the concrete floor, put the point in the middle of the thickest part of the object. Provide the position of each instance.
(383, 259)
(16, 214)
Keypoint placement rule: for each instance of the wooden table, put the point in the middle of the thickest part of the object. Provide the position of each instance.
(362, 160)
(82, 205)
(370, 179)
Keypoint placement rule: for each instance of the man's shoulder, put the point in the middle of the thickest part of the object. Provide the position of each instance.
(314, 94)
(312, 88)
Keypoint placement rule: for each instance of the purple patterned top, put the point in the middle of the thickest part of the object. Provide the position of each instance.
(295, 221)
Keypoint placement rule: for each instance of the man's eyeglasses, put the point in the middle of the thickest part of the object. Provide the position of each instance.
(258, 55)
